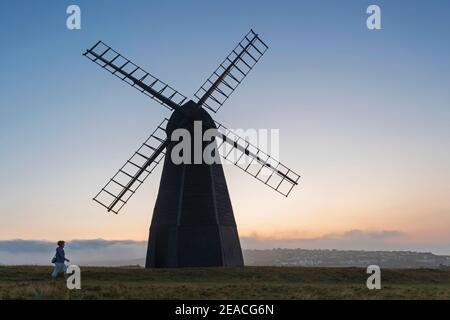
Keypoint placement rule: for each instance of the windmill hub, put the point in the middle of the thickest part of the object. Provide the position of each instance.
(185, 117)
(193, 221)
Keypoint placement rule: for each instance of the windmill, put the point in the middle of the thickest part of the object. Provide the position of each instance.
(193, 221)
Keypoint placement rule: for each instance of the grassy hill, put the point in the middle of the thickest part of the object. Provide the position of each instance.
(34, 282)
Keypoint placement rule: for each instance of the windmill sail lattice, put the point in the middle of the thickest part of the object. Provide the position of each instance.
(119, 189)
(135, 76)
(255, 162)
(230, 73)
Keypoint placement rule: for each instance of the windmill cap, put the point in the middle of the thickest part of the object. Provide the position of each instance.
(195, 113)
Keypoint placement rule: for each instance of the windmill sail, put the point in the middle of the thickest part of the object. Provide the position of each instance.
(255, 162)
(116, 193)
(124, 69)
(230, 73)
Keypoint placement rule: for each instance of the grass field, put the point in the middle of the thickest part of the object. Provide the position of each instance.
(33, 282)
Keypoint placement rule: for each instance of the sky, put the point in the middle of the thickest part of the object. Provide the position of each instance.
(363, 116)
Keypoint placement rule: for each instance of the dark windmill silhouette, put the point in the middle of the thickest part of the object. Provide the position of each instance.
(193, 222)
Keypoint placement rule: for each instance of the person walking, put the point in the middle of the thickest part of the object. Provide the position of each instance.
(59, 260)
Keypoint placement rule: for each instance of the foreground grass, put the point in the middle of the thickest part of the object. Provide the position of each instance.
(33, 282)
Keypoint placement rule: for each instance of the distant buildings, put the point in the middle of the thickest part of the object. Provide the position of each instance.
(338, 258)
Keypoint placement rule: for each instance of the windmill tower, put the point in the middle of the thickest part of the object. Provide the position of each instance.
(193, 221)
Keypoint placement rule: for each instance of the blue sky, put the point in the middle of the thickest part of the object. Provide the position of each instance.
(363, 115)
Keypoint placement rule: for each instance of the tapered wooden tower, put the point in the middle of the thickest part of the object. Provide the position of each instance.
(193, 223)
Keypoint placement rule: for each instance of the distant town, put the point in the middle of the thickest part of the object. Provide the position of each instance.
(323, 258)
(341, 258)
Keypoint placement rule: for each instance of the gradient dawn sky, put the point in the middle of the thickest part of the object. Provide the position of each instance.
(364, 116)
